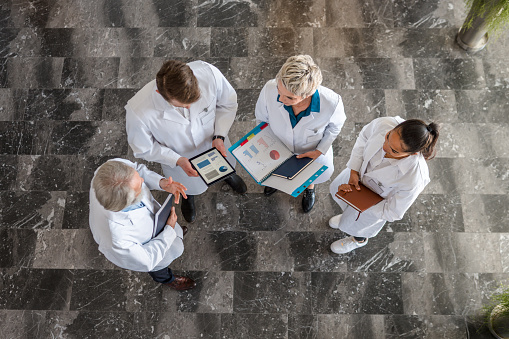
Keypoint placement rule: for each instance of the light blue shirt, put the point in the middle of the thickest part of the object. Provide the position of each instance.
(134, 207)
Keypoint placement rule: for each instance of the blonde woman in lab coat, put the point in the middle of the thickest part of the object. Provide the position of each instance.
(305, 116)
(389, 157)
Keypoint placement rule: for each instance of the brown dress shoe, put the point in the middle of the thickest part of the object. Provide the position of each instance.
(181, 283)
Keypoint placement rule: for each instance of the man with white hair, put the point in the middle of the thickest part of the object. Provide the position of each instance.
(121, 219)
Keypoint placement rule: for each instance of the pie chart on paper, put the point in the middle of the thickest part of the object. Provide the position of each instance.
(274, 154)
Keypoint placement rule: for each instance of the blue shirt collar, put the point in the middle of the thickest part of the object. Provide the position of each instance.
(315, 102)
(133, 207)
(314, 106)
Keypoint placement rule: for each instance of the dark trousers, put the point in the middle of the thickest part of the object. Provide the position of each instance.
(163, 276)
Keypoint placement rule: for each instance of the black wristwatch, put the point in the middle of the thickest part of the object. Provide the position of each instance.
(217, 137)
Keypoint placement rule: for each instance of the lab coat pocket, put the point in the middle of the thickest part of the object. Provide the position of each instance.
(208, 115)
(142, 224)
(313, 135)
(375, 186)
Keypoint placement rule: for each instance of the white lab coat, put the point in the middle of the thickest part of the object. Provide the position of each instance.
(399, 183)
(125, 238)
(157, 132)
(317, 131)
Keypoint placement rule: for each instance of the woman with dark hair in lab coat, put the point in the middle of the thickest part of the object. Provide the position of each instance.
(389, 157)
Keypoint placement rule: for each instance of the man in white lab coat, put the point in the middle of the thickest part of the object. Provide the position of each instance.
(389, 157)
(121, 219)
(185, 111)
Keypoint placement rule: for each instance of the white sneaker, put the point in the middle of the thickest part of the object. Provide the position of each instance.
(346, 245)
(334, 221)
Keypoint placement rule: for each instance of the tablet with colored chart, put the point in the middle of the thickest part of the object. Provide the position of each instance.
(212, 166)
(261, 153)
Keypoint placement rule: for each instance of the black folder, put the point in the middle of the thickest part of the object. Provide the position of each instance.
(291, 167)
(162, 215)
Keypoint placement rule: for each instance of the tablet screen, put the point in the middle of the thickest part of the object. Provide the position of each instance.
(212, 166)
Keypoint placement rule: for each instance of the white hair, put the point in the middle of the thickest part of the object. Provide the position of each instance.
(112, 187)
(300, 75)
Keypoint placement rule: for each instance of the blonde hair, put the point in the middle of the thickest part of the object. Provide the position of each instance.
(112, 187)
(300, 75)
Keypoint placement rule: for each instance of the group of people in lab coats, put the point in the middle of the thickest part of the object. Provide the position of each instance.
(190, 108)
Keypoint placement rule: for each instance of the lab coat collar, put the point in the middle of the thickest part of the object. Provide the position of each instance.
(314, 105)
(371, 151)
(159, 102)
(288, 130)
(169, 112)
(116, 215)
(406, 164)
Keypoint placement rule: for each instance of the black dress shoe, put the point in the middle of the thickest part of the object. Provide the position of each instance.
(187, 208)
(184, 231)
(269, 190)
(181, 283)
(236, 183)
(308, 199)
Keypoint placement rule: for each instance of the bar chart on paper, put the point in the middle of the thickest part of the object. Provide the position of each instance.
(261, 153)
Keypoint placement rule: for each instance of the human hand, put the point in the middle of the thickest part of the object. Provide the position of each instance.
(344, 188)
(312, 154)
(172, 219)
(187, 167)
(354, 179)
(173, 187)
(219, 144)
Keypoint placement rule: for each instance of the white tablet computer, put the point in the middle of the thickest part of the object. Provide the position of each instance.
(212, 166)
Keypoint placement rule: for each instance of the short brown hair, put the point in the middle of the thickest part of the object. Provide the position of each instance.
(175, 80)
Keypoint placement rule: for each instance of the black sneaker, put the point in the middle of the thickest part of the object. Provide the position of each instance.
(188, 209)
(308, 199)
(236, 183)
(269, 190)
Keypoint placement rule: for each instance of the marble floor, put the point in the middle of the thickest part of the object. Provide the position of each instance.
(264, 269)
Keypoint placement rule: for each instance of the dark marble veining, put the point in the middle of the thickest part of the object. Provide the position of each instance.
(236, 325)
(263, 268)
(272, 292)
(34, 209)
(8, 171)
(90, 72)
(33, 289)
(449, 73)
(63, 104)
(229, 41)
(338, 293)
